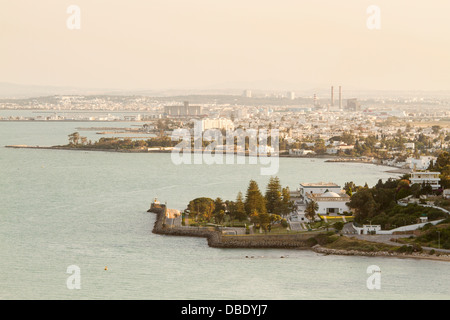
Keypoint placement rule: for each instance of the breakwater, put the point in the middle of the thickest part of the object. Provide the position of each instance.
(216, 239)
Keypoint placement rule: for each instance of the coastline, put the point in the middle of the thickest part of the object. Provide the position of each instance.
(426, 256)
(330, 158)
(216, 239)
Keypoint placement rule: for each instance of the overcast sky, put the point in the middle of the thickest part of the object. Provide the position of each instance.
(163, 44)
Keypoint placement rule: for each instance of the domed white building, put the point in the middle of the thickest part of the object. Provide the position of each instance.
(330, 202)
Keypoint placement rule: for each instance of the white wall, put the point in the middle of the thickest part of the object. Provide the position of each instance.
(323, 205)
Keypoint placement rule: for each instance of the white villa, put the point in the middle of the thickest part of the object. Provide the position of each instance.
(330, 197)
(427, 177)
(421, 163)
(330, 203)
(300, 152)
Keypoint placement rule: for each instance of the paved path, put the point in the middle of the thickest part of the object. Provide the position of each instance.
(296, 226)
(348, 229)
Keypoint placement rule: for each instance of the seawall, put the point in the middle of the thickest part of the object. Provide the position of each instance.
(217, 240)
(295, 241)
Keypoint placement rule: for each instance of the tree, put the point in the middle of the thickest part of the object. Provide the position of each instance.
(254, 200)
(73, 138)
(349, 187)
(219, 216)
(273, 195)
(364, 204)
(338, 226)
(426, 189)
(287, 206)
(218, 205)
(263, 219)
(239, 208)
(319, 146)
(436, 129)
(201, 208)
(311, 209)
(141, 144)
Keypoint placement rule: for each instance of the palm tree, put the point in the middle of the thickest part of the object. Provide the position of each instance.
(311, 209)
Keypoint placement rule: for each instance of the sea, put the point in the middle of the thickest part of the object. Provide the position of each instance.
(74, 226)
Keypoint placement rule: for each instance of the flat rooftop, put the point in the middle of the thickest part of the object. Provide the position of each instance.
(319, 184)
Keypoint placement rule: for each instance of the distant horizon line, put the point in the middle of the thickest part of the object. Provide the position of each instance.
(19, 89)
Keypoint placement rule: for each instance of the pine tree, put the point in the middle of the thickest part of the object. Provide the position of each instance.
(254, 200)
(287, 206)
(239, 208)
(273, 195)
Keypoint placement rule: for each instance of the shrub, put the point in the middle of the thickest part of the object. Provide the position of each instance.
(312, 242)
(446, 244)
(323, 239)
(338, 225)
(427, 226)
(405, 249)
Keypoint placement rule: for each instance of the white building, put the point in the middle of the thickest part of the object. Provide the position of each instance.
(336, 149)
(446, 194)
(320, 187)
(370, 229)
(226, 124)
(291, 95)
(330, 203)
(300, 152)
(426, 177)
(422, 163)
(247, 93)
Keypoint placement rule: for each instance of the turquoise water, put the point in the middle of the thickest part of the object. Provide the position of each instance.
(61, 208)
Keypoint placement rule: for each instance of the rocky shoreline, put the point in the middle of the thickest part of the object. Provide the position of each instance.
(414, 255)
(216, 239)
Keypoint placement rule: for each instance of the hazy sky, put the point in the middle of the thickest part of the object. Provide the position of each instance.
(148, 44)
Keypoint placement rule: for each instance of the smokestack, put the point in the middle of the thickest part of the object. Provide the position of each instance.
(340, 97)
(332, 96)
(315, 100)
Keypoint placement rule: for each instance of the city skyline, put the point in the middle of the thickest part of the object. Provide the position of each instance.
(204, 45)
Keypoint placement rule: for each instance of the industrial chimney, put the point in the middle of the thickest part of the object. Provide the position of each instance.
(332, 96)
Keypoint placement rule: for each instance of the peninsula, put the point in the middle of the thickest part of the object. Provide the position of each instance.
(225, 224)
(327, 243)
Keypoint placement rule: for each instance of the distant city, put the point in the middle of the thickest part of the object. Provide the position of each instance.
(387, 129)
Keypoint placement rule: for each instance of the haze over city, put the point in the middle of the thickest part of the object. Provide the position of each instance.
(201, 45)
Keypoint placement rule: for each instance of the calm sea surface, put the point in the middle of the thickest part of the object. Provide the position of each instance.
(63, 208)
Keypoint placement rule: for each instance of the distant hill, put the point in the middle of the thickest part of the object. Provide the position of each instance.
(19, 91)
